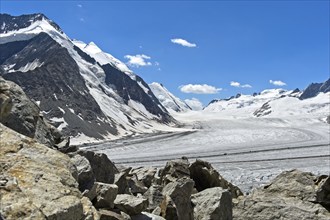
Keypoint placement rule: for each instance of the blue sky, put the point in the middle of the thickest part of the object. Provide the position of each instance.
(231, 46)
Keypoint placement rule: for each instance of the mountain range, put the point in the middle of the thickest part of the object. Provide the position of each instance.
(89, 94)
(79, 88)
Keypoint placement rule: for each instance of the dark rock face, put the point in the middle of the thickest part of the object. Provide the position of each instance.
(315, 88)
(205, 176)
(62, 86)
(129, 89)
(21, 114)
(265, 109)
(104, 170)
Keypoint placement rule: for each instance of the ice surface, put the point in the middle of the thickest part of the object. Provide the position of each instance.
(246, 150)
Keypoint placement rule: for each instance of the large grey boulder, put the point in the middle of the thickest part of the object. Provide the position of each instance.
(104, 170)
(174, 170)
(21, 114)
(130, 204)
(205, 176)
(36, 182)
(86, 177)
(105, 195)
(291, 195)
(212, 203)
(176, 202)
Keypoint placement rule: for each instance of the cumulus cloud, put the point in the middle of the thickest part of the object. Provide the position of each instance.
(79, 6)
(199, 89)
(237, 84)
(183, 42)
(138, 60)
(82, 19)
(194, 104)
(277, 82)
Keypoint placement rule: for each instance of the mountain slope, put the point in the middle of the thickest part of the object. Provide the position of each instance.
(315, 88)
(168, 100)
(76, 91)
(273, 103)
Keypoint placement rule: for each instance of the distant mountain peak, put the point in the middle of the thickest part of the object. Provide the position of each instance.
(13, 23)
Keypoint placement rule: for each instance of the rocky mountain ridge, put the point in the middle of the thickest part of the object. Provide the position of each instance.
(77, 93)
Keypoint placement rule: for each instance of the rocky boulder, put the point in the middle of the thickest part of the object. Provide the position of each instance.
(130, 204)
(36, 182)
(291, 195)
(86, 177)
(21, 114)
(176, 202)
(323, 193)
(105, 195)
(205, 176)
(104, 170)
(174, 170)
(212, 203)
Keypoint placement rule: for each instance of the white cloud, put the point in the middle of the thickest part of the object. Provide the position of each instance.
(199, 89)
(183, 42)
(156, 63)
(237, 84)
(138, 60)
(277, 82)
(194, 104)
(82, 19)
(79, 6)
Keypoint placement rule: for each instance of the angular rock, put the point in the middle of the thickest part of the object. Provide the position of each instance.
(130, 204)
(179, 193)
(121, 181)
(323, 193)
(168, 209)
(91, 193)
(19, 113)
(205, 176)
(135, 186)
(174, 170)
(86, 177)
(90, 213)
(106, 194)
(212, 203)
(154, 196)
(104, 170)
(144, 174)
(291, 195)
(36, 181)
(65, 147)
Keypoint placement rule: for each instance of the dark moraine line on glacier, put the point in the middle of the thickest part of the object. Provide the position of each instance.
(171, 157)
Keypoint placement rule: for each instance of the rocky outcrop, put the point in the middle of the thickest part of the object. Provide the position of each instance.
(144, 174)
(86, 177)
(106, 195)
(130, 204)
(104, 170)
(205, 176)
(212, 203)
(314, 89)
(36, 181)
(291, 195)
(21, 114)
(174, 170)
(177, 199)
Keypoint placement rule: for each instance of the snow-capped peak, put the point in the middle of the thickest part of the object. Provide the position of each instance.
(26, 27)
(103, 58)
(167, 99)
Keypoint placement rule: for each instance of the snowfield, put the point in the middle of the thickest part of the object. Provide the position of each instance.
(246, 150)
